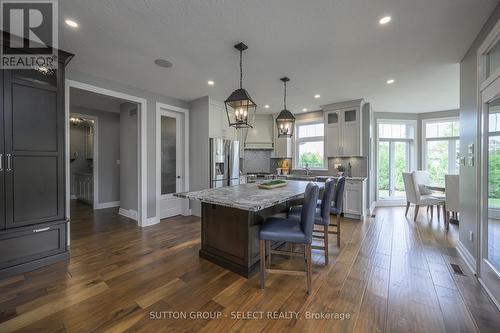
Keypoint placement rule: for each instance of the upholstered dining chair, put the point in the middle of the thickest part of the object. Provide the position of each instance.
(422, 178)
(292, 231)
(413, 195)
(321, 216)
(452, 202)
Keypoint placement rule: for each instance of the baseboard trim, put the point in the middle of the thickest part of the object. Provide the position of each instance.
(73, 197)
(150, 221)
(105, 205)
(130, 213)
(467, 257)
(489, 293)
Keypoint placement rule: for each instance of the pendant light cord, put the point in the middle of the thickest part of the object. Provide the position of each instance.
(241, 69)
(284, 96)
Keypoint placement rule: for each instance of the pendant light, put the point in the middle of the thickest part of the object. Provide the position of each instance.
(285, 120)
(240, 105)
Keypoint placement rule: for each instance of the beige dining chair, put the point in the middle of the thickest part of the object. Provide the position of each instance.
(422, 179)
(413, 195)
(452, 202)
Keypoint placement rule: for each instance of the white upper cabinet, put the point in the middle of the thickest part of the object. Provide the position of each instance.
(282, 146)
(343, 124)
(218, 123)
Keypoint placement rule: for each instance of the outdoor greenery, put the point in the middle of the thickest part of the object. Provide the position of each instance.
(399, 168)
(314, 160)
(494, 172)
(437, 161)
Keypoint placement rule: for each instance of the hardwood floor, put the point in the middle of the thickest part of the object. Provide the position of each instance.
(390, 275)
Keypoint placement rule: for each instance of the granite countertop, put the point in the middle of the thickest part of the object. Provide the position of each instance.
(323, 177)
(247, 196)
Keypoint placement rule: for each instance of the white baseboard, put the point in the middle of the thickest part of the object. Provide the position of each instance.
(389, 203)
(489, 293)
(150, 221)
(104, 205)
(188, 212)
(130, 213)
(469, 260)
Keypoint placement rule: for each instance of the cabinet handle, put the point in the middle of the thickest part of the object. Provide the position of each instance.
(42, 229)
(9, 162)
(1, 162)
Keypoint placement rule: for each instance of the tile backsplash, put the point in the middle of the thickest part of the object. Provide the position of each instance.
(256, 161)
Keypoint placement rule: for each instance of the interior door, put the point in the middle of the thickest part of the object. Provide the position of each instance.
(171, 134)
(489, 266)
(34, 176)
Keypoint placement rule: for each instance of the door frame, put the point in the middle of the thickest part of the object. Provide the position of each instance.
(95, 156)
(488, 89)
(160, 110)
(142, 219)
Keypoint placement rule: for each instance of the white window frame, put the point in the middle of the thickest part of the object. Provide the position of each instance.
(411, 156)
(297, 141)
(451, 149)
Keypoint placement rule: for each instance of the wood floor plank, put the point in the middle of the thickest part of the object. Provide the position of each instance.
(389, 275)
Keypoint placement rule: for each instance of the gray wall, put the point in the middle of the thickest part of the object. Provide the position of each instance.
(128, 156)
(198, 148)
(109, 152)
(151, 98)
(468, 135)
(78, 138)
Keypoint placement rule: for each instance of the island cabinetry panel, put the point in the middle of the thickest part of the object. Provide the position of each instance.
(230, 236)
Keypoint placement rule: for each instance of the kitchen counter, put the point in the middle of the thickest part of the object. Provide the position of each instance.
(247, 197)
(318, 178)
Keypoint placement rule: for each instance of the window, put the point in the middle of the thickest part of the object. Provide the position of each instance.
(440, 148)
(310, 145)
(395, 156)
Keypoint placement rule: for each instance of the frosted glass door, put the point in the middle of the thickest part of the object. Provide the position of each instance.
(168, 155)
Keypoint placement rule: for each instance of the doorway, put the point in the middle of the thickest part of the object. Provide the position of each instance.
(112, 195)
(172, 159)
(489, 171)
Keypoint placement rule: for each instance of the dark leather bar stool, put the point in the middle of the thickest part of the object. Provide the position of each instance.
(292, 231)
(321, 216)
(336, 207)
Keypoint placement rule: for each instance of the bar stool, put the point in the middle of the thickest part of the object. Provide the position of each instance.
(292, 231)
(336, 208)
(321, 217)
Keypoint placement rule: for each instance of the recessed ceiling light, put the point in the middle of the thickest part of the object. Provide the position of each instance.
(385, 20)
(71, 23)
(304, 109)
(317, 96)
(210, 82)
(163, 63)
(390, 81)
(266, 106)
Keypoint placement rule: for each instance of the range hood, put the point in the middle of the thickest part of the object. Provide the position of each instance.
(261, 135)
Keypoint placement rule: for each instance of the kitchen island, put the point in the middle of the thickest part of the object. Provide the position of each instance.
(231, 219)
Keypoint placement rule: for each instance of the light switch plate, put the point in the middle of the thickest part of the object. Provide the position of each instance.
(471, 236)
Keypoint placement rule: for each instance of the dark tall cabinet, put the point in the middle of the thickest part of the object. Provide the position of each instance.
(33, 228)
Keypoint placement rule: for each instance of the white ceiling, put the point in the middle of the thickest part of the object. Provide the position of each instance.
(332, 47)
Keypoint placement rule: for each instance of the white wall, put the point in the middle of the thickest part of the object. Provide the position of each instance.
(128, 156)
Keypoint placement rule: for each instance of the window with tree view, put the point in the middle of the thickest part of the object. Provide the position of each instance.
(395, 147)
(441, 147)
(310, 145)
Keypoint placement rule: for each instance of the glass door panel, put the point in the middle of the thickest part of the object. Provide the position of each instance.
(401, 155)
(383, 170)
(168, 155)
(493, 187)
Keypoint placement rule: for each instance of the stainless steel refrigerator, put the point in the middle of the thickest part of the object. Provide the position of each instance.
(224, 162)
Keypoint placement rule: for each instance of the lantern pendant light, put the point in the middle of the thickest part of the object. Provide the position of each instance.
(285, 120)
(239, 106)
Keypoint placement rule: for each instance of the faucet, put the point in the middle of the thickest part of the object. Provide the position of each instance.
(307, 169)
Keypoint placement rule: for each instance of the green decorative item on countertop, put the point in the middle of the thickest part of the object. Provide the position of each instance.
(273, 184)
